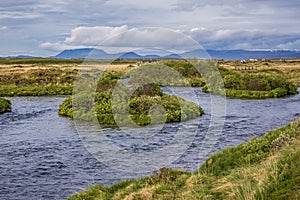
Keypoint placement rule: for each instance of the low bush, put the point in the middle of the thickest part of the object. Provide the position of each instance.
(5, 105)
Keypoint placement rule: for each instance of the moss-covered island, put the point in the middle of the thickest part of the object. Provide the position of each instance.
(263, 168)
(5, 105)
(146, 105)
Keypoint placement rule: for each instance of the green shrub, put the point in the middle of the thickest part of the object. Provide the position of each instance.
(205, 89)
(5, 105)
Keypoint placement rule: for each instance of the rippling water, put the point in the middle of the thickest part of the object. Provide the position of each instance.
(42, 156)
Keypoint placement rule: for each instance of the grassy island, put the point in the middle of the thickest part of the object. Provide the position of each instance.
(147, 104)
(5, 105)
(263, 168)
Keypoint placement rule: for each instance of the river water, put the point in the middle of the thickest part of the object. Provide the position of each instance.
(43, 157)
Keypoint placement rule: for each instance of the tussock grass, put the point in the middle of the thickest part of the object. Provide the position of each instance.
(263, 168)
(5, 105)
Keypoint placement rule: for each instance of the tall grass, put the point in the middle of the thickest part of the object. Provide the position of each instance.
(263, 168)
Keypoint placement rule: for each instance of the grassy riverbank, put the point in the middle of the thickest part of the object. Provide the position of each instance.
(252, 81)
(247, 85)
(263, 168)
(42, 76)
(5, 105)
(36, 80)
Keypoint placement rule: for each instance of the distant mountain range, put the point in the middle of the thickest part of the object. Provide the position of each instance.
(215, 54)
(19, 56)
(200, 53)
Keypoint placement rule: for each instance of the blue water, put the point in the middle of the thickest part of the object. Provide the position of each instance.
(43, 157)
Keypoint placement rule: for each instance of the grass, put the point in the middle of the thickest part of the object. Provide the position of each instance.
(169, 109)
(41, 76)
(5, 105)
(289, 68)
(146, 105)
(31, 80)
(188, 71)
(263, 168)
(247, 85)
(50, 76)
(38, 61)
(35, 89)
(252, 94)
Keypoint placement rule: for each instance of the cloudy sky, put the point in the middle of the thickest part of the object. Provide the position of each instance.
(44, 28)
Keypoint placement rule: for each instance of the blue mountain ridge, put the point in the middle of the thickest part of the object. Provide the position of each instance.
(238, 54)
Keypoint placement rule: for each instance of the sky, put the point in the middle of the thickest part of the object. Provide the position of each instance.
(45, 28)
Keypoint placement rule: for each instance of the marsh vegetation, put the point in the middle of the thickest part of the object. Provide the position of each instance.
(261, 79)
(5, 105)
(263, 168)
(146, 104)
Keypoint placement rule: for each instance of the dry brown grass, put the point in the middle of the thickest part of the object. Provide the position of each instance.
(289, 68)
(143, 194)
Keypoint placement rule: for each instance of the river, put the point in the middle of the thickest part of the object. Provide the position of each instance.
(43, 157)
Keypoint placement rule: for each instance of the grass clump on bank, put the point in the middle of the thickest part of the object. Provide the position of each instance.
(146, 105)
(254, 86)
(240, 84)
(188, 71)
(263, 168)
(5, 105)
(37, 81)
(38, 61)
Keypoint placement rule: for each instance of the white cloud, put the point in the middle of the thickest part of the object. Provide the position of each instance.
(53, 46)
(108, 38)
(290, 45)
(151, 38)
(141, 4)
(3, 27)
(242, 38)
(93, 35)
(205, 35)
(228, 24)
(18, 15)
(122, 38)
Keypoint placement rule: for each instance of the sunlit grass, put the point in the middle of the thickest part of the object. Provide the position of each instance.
(263, 168)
